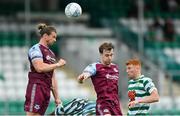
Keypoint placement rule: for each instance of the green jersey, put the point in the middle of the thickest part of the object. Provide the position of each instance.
(143, 86)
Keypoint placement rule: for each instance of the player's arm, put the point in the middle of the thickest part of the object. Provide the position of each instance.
(154, 97)
(40, 66)
(152, 90)
(54, 89)
(89, 71)
(36, 58)
(82, 77)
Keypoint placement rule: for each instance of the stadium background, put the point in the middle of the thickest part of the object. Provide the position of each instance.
(147, 29)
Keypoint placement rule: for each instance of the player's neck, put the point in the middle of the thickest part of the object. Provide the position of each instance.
(101, 61)
(105, 64)
(138, 76)
(44, 43)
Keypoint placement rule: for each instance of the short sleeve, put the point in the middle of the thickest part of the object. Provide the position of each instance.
(149, 85)
(91, 68)
(35, 53)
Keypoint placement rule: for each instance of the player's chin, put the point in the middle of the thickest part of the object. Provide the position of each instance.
(51, 43)
(130, 77)
(108, 63)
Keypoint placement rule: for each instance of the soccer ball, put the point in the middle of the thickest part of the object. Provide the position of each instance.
(73, 10)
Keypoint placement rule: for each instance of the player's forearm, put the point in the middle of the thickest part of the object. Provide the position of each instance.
(47, 67)
(55, 93)
(154, 97)
(55, 88)
(147, 100)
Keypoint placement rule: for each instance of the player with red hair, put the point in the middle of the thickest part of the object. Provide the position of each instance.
(141, 89)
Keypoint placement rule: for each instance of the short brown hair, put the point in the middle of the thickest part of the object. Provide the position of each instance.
(43, 28)
(105, 46)
(133, 62)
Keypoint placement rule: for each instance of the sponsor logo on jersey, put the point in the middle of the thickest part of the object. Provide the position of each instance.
(50, 59)
(115, 70)
(108, 76)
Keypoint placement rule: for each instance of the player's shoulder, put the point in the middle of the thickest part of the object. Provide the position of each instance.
(34, 50)
(131, 80)
(34, 47)
(145, 78)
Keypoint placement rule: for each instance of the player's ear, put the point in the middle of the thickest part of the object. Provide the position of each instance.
(45, 35)
(138, 67)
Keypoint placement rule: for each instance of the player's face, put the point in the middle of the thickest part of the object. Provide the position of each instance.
(51, 38)
(107, 56)
(131, 71)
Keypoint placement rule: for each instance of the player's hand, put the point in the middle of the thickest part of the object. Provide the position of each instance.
(59, 111)
(83, 77)
(58, 101)
(132, 103)
(61, 62)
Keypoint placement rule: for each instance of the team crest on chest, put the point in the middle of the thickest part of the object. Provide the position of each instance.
(115, 70)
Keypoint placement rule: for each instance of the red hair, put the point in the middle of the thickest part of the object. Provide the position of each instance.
(133, 62)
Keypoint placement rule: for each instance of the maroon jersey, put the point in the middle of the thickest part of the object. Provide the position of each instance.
(41, 52)
(38, 88)
(105, 81)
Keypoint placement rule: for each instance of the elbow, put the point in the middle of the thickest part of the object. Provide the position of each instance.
(156, 98)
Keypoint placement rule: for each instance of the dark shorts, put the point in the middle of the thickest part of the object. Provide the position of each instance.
(37, 98)
(108, 107)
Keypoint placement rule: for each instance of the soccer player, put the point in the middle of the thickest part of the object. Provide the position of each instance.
(104, 75)
(41, 75)
(141, 89)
